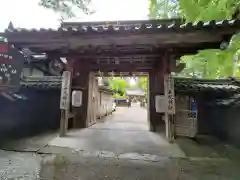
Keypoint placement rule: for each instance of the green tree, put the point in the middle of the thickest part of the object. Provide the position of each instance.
(214, 63)
(118, 85)
(163, 9)
(204, 10)
(143, 83)
(67, 7)
(211, 63)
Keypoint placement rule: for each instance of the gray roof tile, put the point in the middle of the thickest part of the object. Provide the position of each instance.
(181, 84)
(130, 26)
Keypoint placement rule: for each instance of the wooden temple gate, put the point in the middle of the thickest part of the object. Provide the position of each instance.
(124, 47)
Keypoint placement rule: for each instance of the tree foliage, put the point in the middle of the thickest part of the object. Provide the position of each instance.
(67, 7)
(204, 10)
(118, 85)
(163, 9)
(143, 83)
(211, 63)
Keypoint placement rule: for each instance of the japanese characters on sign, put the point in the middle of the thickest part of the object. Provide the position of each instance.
(76, 98)
(160, 104)
(11, 64)
(169, 93)
(65, 91)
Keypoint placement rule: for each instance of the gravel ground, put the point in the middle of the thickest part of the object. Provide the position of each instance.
(78, 166)
(71, 165)
(16, 165)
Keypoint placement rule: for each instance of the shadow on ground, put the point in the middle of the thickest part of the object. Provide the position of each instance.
(207, 147)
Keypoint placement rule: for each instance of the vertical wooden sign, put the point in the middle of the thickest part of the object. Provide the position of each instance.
(170, 111)
(65, 90)
(65, 102)
(169, 93)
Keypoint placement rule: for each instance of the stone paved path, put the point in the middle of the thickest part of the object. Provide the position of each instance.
(122, 148)
(126, 131)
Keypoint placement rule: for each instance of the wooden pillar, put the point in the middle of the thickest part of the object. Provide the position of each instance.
(155, 89)
(159, 87)
(92, 99)
(151, 102)
(81, 82)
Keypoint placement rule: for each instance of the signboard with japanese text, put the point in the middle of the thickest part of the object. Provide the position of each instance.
(169, 93)
(65, 90)
(76, 98)
(160, 103)
(11, 65)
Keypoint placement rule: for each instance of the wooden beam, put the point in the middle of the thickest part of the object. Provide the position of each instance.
(56, 40)
(121, 56)
(123, 74)
(121, 67)
(149, 50)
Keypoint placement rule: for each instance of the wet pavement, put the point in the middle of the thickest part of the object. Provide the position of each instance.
(121, 148)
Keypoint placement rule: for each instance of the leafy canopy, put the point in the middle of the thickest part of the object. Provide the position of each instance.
(211, 63)
(118, 85)
(67, 7)
(196, 10)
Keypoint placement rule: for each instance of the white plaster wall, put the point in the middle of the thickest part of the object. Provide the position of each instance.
(104, 104)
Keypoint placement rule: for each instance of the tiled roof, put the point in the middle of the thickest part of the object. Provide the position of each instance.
(47, 82)
(181, 84)
(229, 89)
(131, 26)
(187, 85)
(206, 85)
(233, 101)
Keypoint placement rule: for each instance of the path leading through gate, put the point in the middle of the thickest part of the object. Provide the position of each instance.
(125, 131)
(121, 147)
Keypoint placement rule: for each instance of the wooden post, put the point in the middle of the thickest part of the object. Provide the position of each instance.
(65, 102)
